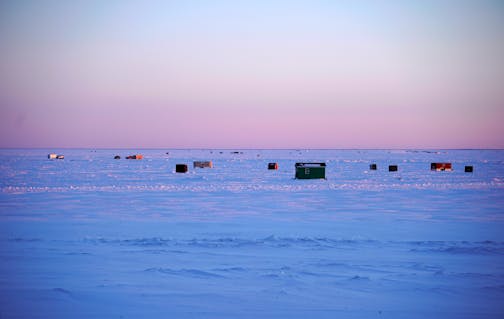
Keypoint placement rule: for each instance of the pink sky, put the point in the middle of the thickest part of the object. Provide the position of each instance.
(252, 74)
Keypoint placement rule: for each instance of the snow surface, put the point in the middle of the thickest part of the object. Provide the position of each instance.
(94, 237)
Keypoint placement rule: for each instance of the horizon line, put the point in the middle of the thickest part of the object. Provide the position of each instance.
(255, 148)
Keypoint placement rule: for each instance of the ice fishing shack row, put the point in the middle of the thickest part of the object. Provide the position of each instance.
(303, 170)
(317, 170)
(439, 167)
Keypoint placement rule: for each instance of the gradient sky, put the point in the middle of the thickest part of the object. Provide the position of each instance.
(252, 74)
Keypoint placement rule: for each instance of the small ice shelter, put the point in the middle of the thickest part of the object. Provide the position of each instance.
(55, 156)
(203, 164)
(137, 157)
(441, 167)
(181, 168)
(272, 165)
(310, 170)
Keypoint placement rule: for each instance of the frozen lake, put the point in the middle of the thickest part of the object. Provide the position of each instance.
(94, 237)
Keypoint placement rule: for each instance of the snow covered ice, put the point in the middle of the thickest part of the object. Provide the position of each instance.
(94, 237)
